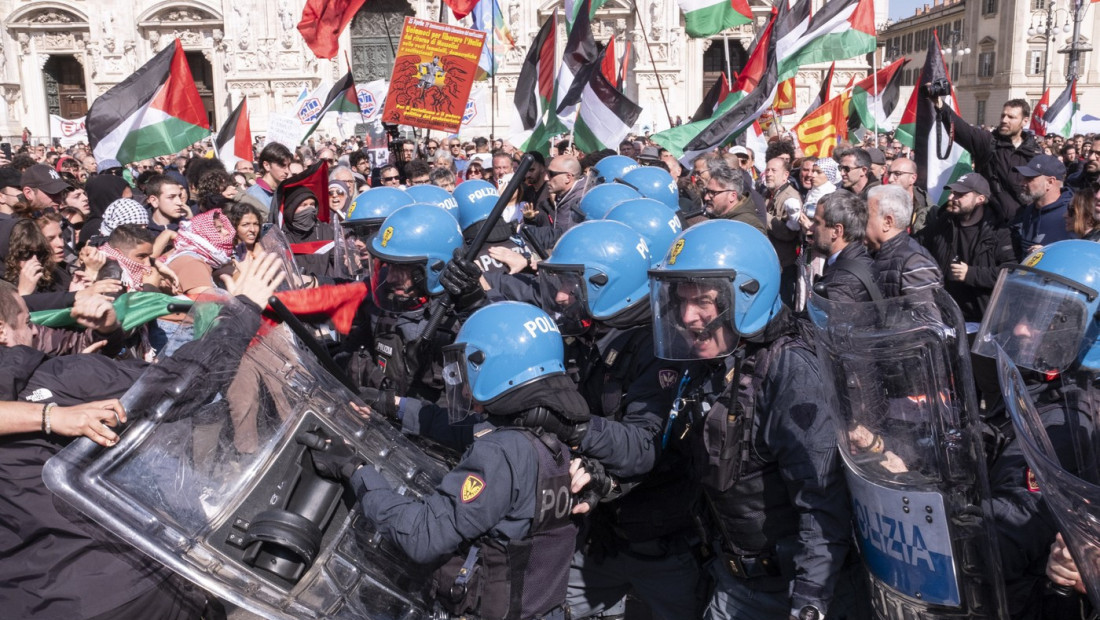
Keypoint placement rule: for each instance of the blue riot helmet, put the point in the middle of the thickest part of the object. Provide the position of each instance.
(610, 168)
(718, 282)
(500, 348)
(409, 252)
(1044, 313)
(434, 195)
(476, 200)
(600, 199)
(369, 208)
(652, 220)
(655, 183)
(596, 271)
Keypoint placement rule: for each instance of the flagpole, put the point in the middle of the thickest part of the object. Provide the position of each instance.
(653, 62)
(726, 44)
(874, 80)
(493, 77)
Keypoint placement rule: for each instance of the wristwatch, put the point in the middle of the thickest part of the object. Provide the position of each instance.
(809, 612)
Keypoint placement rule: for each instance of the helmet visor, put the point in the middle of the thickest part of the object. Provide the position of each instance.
(398, 287)
(564, 297)
(456, 384)
(692, 316)
(1037, 318)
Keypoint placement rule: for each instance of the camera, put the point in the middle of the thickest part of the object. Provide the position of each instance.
(939, 87)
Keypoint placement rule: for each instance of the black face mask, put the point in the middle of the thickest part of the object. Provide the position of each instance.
(305, 218)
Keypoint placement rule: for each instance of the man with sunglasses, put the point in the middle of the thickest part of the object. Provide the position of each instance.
(855, 171)
(389, 176)
(566, 184)
(903, 173)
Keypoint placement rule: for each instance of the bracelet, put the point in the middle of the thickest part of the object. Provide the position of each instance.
(46, 416)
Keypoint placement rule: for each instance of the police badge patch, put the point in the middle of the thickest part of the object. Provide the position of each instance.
(472, 488)
(667, 377)
(1032, 481)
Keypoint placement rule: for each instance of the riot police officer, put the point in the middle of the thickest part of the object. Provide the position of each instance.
(476, 200)
(749, 406)
(385, 350)
(501, 519)
(1042, 326)
(596, 287)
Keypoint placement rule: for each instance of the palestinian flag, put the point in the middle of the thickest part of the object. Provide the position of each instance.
(823, 94)
(342, 98)
(752, 94)
(1037, 125)
(607, 64)
(1058, 118)
(871, 109)
(755, 140)
(841, 29)
(155, 111)
(714, 97)
(572, 7)
(234, 140)
(534, 95)
(919, 130)
(577, 64)
(605, 117)
(623, 65)
(703, 18)
(819, 131)
(785, 98)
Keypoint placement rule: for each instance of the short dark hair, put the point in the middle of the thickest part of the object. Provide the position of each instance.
(480, 141)
(383, 169)
(845, 208)
(275, 153)
(779, 148)
(199, 166)
(1023, 105)
(129, 236)
(356, 156)
(416, 168)
(155, 184)
(863, 158)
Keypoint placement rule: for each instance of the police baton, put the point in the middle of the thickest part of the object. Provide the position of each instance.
(444, 304)
(310, 341)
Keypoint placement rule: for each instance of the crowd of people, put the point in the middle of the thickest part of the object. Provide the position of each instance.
(633, 332)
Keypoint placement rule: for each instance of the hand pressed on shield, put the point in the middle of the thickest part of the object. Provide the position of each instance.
(257, 279)
(91, 420)
(1061, 568)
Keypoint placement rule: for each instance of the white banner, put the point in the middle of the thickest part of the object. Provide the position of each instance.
(69, 132)
(285, 129)
(477, 108)
(371, 97)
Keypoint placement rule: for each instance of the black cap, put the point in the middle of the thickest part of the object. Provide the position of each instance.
(45, 178)
(877, 156)
(1043, 165)
(970, 182)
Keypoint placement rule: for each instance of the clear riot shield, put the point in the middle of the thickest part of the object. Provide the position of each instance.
(213, 478)
(345, 255)
(273, 241)
(1073, 498)
(897, 376)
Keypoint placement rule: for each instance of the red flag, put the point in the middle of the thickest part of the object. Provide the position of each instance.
(312, 247)
(622, 66)
(316, 179)
(338, 302)
(784, 97)
(607, 66)
(323, 21)
(1037, 124)
(461, 8)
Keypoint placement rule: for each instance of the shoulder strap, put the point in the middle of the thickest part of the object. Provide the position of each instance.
(862, 273)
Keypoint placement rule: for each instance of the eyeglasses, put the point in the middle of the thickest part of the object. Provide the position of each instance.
(711, 193)
(553, 173)
(395, 177)
(847, 169)
(897, 173)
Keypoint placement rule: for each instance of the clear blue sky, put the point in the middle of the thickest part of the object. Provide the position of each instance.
(905, 8)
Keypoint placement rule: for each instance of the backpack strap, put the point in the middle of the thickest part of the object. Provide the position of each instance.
(862, 273)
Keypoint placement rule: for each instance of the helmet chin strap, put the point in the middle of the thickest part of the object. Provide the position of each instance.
(713, 325)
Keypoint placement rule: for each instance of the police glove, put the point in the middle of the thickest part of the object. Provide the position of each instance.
(462, 281)
(334, 458)
(601, 485)
(570, 433)
(382, 401)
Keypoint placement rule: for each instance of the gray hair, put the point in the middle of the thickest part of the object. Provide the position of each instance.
(444, 159)
(728, 178)
(845, 208)
(893, 201)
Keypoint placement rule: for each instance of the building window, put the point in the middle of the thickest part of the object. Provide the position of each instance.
(989, 7)
(1036, 60)
(985, 64)
(1038, 5)
(980, 120)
